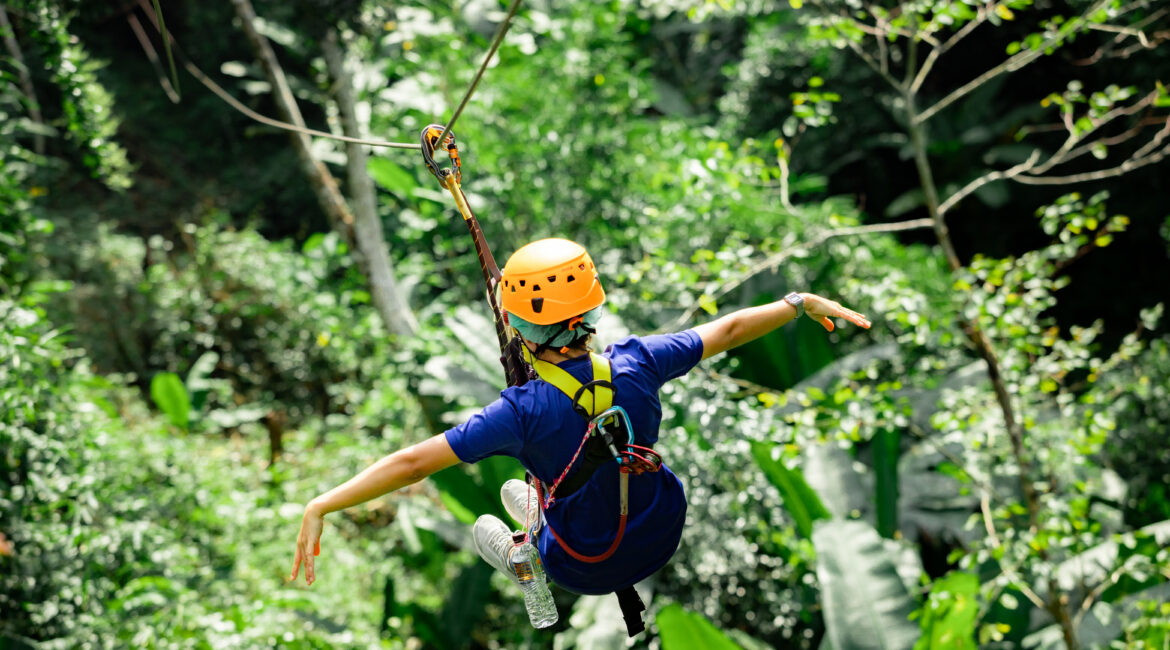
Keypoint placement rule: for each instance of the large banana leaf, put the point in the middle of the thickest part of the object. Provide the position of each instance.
(680, 630)
(831, 472)
(799, 499)
(866, 605)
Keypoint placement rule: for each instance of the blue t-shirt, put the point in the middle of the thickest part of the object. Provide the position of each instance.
(535, 423)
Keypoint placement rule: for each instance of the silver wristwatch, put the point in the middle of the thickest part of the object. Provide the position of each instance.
(797, 302)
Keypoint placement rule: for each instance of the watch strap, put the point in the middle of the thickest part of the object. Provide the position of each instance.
(797, 302)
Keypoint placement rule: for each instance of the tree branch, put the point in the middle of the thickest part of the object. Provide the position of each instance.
(1068, 150)
(989, 524)
(771, 262)
(857, 49)
(942, 49)
(1130, 164)
(1012, 64)
(990, 177)
(1093, 595)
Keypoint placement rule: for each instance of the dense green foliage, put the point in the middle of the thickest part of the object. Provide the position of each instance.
(189, 350)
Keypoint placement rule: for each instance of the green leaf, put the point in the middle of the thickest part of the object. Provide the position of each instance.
(905, 202)
(392, 177)
(707, 304)
(949, 614)
(168, 393)
(681, 629)
(800, 500)
(199, 378)
(467, 493)
(866, 604)
(886, 446)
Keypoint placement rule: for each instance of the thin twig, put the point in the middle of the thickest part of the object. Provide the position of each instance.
(1066, 151)
(857, 49)
(988, 520)
(959, 35)
(152, 56)
(1087, 603)
(990, 177)
(1129, 165)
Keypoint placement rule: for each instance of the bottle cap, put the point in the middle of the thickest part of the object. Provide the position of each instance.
(519, 537)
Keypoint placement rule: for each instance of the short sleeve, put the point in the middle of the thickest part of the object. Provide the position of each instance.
(494, 431)
(674, 354)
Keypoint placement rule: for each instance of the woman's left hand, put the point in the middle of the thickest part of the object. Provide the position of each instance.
(308, 544)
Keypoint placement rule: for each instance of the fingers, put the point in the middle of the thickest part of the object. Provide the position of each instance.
(310, 571)
(296, 566)
(840, 312)
(856, 318)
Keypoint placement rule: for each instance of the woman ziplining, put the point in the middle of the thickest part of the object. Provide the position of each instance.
(598, 526)
(538, 425)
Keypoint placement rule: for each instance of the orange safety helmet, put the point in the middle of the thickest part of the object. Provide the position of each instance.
(549, 281)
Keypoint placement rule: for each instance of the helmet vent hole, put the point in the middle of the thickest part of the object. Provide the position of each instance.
(536, 287)
(581, 266)
(570, 279)
(513, 289)
(537, 304)
(505, 283)
(522, 283)
(552, 278)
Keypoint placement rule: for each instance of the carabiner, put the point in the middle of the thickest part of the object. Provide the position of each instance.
(430, 139)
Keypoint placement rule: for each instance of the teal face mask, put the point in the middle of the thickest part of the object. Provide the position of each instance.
(540, 333)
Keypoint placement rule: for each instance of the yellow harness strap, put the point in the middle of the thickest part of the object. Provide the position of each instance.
(597, 399)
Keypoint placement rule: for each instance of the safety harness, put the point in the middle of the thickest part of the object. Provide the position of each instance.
(608, 436)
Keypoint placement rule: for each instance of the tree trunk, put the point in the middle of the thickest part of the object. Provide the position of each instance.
(396, 314)
(26, 85)
(384, 290)
(1057, 604)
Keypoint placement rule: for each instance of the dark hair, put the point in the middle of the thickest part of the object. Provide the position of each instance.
(581, 343)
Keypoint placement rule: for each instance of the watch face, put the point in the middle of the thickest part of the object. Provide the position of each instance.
(794, 299)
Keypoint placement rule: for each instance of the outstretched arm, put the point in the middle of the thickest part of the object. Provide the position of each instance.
(749, 324)
(392, 472)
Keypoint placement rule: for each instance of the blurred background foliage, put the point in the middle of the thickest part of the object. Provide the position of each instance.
(191, 351)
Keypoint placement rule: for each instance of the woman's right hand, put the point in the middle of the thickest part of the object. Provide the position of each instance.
(824, 311)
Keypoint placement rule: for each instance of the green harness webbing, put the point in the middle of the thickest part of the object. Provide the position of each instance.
(588, 399)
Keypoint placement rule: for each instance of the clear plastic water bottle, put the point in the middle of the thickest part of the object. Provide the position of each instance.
(542, 611)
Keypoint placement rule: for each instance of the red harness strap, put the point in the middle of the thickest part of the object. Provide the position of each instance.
(621, 531)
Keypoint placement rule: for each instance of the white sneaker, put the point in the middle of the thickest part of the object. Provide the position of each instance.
(493, 542)
(519, 500)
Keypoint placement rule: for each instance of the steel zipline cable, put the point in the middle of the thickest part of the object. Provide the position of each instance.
(482, 67)
(227, 97)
